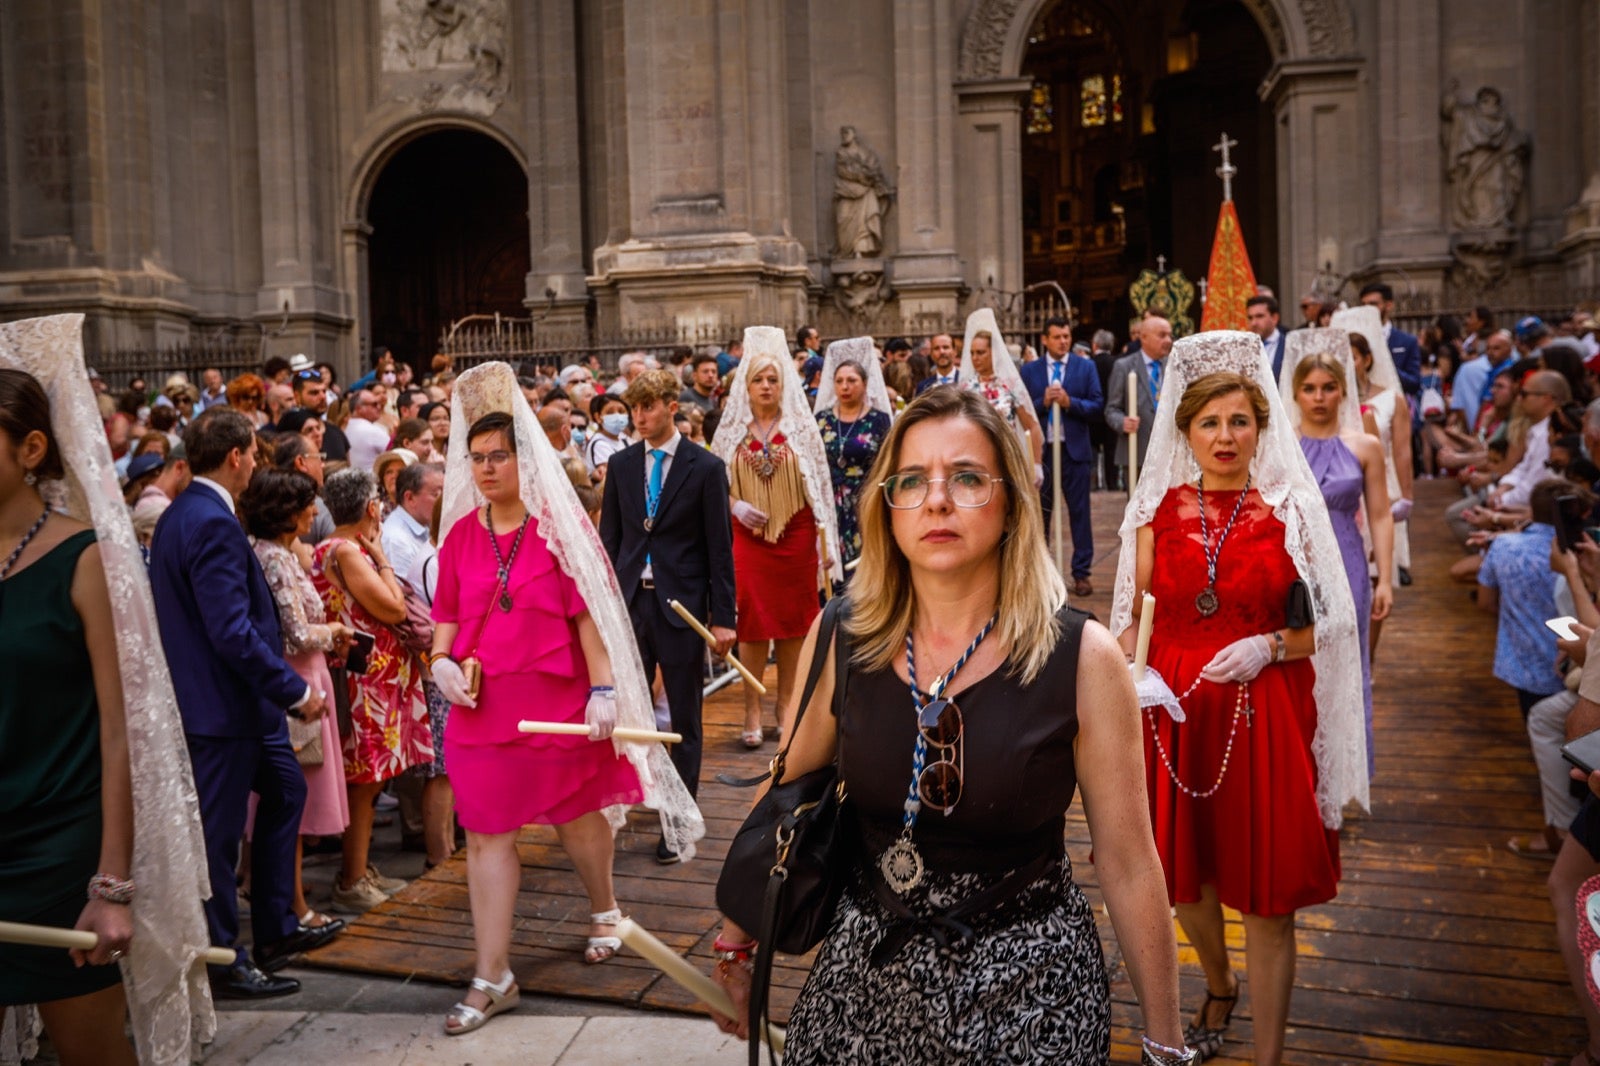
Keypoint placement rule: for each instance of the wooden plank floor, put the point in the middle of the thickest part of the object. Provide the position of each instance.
(1438, 950)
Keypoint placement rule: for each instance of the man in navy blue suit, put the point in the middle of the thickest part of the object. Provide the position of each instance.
(1402, 345)
(946, 371)
(1261, 312)
(219, 627)
(665, 523)
(1063, 383)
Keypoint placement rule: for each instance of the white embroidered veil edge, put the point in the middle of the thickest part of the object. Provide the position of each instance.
(1005, 368)
(1366, 320)
(863, 353)
(169, 998)
(549, 497)
(1286, 484)
(1335, 344)
(763, 344)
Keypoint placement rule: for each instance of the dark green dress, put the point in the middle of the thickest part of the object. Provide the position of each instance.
(49, 775)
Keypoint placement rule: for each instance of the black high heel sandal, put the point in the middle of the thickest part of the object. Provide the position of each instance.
(1207, 1041)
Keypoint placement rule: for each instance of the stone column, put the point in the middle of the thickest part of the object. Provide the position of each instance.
(1580, 243)
(549, 76)
(705, 243)
(989, 169)
(1406, 80)
(1322, 168)
(299, 298)
(927, 273)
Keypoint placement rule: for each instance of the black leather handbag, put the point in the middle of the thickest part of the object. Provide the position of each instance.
(788, 864)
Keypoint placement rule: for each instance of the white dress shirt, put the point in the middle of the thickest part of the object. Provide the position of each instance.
(404, 538)
(368, 440)
(1531, 470)
(671, 448)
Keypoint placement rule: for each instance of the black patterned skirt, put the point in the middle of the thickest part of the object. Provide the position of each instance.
(1028, 986)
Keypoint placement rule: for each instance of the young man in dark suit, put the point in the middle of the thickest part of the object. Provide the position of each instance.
(1068, 384)
(219, 627)
(664, 521)
(1402, 345)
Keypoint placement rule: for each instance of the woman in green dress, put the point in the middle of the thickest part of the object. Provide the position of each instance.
(66, 806)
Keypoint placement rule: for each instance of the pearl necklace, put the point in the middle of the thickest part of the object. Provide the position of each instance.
(1241, 709)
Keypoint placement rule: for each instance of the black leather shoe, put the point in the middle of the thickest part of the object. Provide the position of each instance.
(244, 981)
(274, 956)
(1405, 578)
(664, 854)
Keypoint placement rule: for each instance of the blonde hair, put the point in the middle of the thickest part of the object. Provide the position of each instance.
(759, 362)
(1319, 361)
(883, 599)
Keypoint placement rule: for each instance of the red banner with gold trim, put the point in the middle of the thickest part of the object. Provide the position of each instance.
(1230, 281)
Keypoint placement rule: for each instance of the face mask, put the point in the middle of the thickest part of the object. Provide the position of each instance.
(389, 379)
(578, 436)
(614, 424)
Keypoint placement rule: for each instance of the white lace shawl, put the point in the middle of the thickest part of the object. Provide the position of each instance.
(763, 346)
(1284, 479)
(169, 999)
(1005, 368)
(1333, 344)
(1368, 322)
(863, 354)
(548, 495)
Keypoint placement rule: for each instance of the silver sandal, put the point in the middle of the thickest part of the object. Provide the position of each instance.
(502, 997)
(610, 945)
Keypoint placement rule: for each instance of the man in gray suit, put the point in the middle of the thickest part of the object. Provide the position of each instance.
(1123, 415)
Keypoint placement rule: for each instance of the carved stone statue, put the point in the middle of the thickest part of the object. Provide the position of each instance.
(861, 197)
(446, 54)
(1486, 159)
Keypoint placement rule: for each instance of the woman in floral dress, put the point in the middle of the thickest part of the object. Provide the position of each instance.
(853, 428)
(389, 730)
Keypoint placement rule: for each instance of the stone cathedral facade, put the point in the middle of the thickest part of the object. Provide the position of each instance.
(338, 174)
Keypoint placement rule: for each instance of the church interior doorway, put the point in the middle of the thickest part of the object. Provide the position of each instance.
(1117, 166)
(449, 218)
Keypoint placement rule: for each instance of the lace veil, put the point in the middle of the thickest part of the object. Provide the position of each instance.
(1005, 368)
(169, 999)
(764, 346)
(1367, 322)
(1287, 485)
(573, 540)
(864, 354)
(1333, 344)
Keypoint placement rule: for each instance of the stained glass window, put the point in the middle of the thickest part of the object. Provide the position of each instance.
(1093, 100)
(1041, 115)
(1116, 98)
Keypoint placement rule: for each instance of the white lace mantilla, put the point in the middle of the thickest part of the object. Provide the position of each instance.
(169, 999)
(1333, 344)
(1283, 478)
(863, 354)
(548, 495)
(764, 345)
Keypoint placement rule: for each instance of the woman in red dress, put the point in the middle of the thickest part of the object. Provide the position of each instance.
(782, 507)
(1246, 789)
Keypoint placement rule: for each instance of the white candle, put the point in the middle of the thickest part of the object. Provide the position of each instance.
(1147, 619)
(705, 634)
(1133, 437)
(578, 729)
(685, 975)
(44, 936)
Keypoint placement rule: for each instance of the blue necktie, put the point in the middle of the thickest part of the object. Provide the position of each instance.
(1058, 367)
(1155, 383)
(652, 498)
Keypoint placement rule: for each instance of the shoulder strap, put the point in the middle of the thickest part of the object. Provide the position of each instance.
(819, 658)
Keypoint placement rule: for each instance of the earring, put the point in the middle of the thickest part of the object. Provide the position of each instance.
(30, 479)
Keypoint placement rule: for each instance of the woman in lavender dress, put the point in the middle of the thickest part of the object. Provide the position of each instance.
(1349, 467)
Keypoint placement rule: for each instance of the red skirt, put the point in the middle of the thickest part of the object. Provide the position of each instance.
(776, 584)
(1260, 839)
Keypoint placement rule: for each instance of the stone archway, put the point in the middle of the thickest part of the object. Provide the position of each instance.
(1311, 88)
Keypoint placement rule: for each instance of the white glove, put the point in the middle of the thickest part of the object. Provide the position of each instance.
(749, 516)
(601, 714)
(452, 683)
(1240, 661)
(1038, 475)
(1401, 509)
(1153, 691)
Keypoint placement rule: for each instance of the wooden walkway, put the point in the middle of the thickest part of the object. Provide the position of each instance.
(1439, 949)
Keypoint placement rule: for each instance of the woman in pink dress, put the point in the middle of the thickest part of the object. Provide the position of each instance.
(278, 508)
(504, 601)
(389, 730)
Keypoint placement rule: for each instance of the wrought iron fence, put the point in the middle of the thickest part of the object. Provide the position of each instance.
(117, 367)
